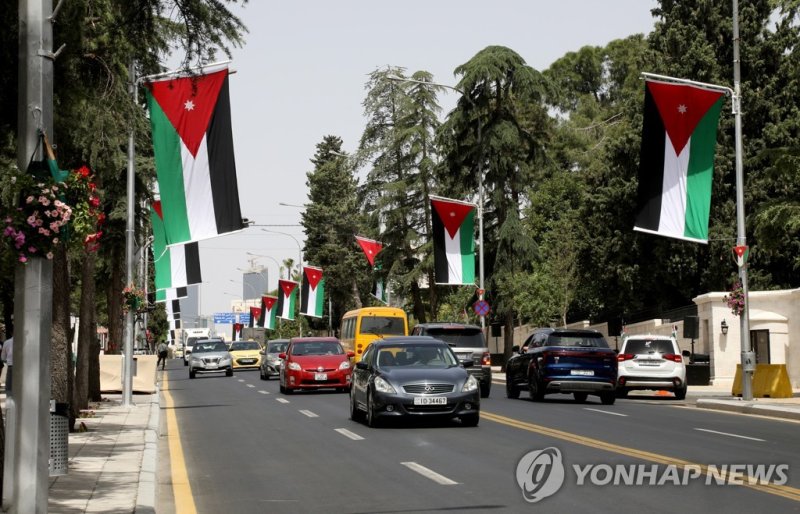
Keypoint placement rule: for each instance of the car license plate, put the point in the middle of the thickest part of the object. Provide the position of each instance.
(430, 400)
(320, 376)
(648, 362)
(211, 366)
(247, 361)
(465, 356)
(582, 372)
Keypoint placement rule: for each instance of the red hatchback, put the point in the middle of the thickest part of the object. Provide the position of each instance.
(315, 363)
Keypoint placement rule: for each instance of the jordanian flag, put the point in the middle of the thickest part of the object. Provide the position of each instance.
(176, 266)
(453, 241)
(370, 247)
(237, 331)
(677, 160)
(193, 146)
(312, 295)
(161, 295)
(255, 317)
(268, 311)
(379, 290)
(287, 294)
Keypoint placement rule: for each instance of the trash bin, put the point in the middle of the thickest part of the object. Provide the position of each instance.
(59, 439)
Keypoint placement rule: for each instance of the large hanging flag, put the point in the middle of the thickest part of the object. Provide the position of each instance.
(676, 165)
(237, 331)
(453, 241)
(287, 294)
(161, 295)
(379, 290)
(312, 294)
(255, 317)
(268, 311)
(193, 147)
(175, 266)
(370, 247)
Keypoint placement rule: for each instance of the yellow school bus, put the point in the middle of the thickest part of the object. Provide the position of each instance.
(362, 326)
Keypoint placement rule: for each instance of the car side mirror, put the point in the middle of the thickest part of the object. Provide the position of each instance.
(686, 353)
(262, 352)
(361, 365)
(351, 354)
(282, 356)
(467, 363)
(616, 350)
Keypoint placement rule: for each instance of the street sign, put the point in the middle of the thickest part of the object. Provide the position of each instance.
(224, 318)
(481, 307)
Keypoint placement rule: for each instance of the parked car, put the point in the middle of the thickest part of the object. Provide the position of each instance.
(564, 361)
(651, 362)
(315, 363)
(246, 354)
(468, 343)
(413, 377)
(210, 356)
(270, 358)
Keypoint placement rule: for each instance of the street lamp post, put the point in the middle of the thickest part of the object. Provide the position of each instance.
(299, 265)
(478, 140)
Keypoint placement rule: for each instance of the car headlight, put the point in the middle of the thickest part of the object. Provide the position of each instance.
(383, 386)
(294, 366)
(470, 385)
(225, 359)
(344, 365)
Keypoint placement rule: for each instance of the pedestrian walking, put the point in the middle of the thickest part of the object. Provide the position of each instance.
(163, 351)
(7, 356)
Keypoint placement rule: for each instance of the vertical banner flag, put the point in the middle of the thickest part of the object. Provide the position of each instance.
(379, 290)
(161, 295)
(676, 164)
(237, 332)
(287, 293)
(268, 311)
(255, 318)
(193, 146)
(370, 247)
(176, 266)
(312, 294)
(453, 241)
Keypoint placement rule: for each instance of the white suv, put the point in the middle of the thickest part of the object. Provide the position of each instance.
(651, 362)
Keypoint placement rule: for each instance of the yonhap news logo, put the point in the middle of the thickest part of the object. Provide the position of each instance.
(541, 473)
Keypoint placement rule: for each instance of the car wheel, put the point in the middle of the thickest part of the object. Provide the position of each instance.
(229, 372)
(580, 397)
(680, 394)
(372, 421)
(355, 414)
(622, 392)
(536, 392)
(283, 389)
(485, 389)
(191, 373)
(608, 398)
(471, 420)
(511, 390)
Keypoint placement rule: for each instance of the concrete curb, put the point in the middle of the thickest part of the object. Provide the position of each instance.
(146, 494)
(743, 407)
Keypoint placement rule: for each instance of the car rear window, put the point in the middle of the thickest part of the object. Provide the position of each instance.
(461, 337)
(247, 345)
(317, 348)
(646, 346)
(384, 325)
(580, 340)
(276, 347)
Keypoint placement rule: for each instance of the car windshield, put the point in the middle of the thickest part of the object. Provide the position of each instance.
(589, 341)
(648, 346)
(317, 348)
(383, 325)
(244, 345)
(461, 337)
(191, 341)
(210, 347)
(417, 356)
(277, 347)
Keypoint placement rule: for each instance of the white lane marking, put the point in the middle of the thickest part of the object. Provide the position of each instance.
(250, 385)
(606, 412)
(730, 435)
(347, 433)
(241, 380)
(282, 400)
(264, 392)
(428, 473)
(308, 413)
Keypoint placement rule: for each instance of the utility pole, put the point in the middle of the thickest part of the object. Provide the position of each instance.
(27, 467)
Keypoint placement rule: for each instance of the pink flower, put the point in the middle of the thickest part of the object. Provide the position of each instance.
(22, 258)
(32, 249)
(49, 255)
(54, 227)
(31, 221)
(29, 199)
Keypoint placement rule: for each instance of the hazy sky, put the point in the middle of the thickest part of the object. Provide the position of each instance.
(301, 75)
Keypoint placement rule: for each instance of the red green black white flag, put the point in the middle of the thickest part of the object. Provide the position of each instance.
(237, 331)
(193, 146)
(175, 266)
(287, 296)
(255, 317)
(453, 241)
(312, 295)
(676, 164)
(268, 311)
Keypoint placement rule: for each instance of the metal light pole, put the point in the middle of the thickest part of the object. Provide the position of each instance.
(299, 265)
(127, 352)
(747, 356)
(478, 140)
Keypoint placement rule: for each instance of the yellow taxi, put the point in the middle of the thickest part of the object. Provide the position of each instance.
(245, 354)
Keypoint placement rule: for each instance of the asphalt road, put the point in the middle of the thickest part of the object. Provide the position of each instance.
(247, 448)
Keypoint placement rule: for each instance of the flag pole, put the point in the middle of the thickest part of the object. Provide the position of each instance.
(747, 357)
(127, 349)
(676, 80)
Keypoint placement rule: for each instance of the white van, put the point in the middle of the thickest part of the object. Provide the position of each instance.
(190, 336)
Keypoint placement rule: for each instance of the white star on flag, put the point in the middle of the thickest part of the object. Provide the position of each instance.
(682, 109)
(189, 105)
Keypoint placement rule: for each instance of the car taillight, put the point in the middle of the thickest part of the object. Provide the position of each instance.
(673, 357)
(624, 357)
(487, 359)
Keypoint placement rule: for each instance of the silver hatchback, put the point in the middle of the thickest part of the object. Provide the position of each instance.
(210, 356)
(270, 360)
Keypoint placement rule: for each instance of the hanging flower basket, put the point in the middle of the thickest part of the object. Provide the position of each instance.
(735, 299)
(133, 298)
